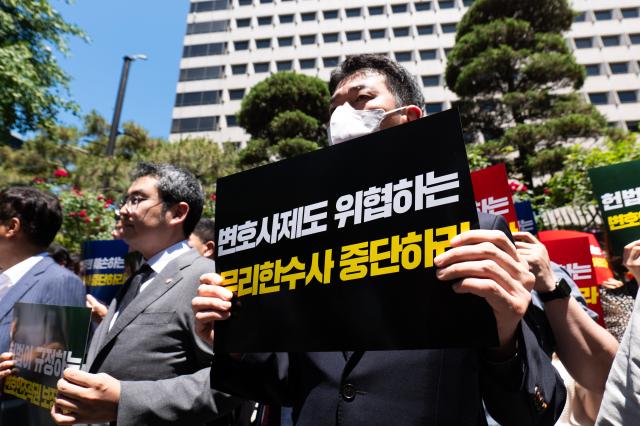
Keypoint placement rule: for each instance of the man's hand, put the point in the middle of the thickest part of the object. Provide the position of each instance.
(212, 303)
(535, 253)
(486, 264)
(631, 258)
(86, 398)
(98, 310)
(6, 366)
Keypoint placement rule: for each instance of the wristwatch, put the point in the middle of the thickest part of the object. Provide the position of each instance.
(562, 291)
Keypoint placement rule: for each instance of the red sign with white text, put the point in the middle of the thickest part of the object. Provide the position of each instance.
(574, 254)
(493, 195)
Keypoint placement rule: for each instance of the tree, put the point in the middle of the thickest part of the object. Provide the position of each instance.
(32, 84)
(516, 79)
(284, 114)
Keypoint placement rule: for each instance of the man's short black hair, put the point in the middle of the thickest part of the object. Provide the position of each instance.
(175, 185)
(39, 212)
(205, 230)
(400, 82)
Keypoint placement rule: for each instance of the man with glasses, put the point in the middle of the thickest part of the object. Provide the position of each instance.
(146, 364)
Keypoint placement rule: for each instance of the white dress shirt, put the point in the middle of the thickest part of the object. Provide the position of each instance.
(17, 271)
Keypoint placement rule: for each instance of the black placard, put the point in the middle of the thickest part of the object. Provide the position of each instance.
(384, 310)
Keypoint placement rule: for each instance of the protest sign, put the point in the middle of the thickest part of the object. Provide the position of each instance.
(617, 189)
(45, 339)
(574, 254)
(333, 250)
(493, 195)
(104, 268)
(526, 217)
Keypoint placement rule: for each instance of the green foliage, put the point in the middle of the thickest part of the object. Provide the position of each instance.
(32, 84)
(516, 78)
(572, 185)
(284, 114)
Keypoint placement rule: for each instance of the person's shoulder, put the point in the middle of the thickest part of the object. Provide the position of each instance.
(59, 271)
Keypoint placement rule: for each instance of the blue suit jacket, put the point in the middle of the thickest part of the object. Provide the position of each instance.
(47, 283)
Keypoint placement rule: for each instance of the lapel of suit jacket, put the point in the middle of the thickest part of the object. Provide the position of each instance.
(101, 332)
(30, 279)
(165, 280)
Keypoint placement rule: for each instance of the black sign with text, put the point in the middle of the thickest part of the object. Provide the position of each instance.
(333, 250)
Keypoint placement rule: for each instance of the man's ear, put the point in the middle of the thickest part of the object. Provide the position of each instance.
(210, 249)
(13, 226)
(179, 212)
(413, 112)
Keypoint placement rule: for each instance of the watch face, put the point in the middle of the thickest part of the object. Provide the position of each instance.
(563, 287)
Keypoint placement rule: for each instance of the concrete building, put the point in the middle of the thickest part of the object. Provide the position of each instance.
(230, 45)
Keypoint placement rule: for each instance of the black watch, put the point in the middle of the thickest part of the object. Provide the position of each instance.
(562, 291)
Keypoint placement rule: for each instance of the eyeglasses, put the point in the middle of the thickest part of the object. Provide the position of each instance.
(131, 202)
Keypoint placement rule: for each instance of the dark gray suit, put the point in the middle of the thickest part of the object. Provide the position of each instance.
(154, 351)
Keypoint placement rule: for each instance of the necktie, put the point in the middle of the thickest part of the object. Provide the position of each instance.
(133, 289)
(5, 283)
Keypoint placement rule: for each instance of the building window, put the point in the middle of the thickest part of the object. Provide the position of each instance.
(330, 62)
(210, 49)
(619, 68)
(446, 4)
(198, 98)
(244, 22)
(195, 124)
(433, 107)
(354, 35)
(307, 39)
(632, 126)
(308, 16)
(284, 65)
(263, 43)
(236, 94)
(425, 29)
(208, 27)
(353, 12)
(330, 37)
(630, 12)
(266, 1)
(427, 55)
(603, 15)
(430, 80)
(422, 6)
(598, 98)
(380, 33)
(245, 2)
(376, 10)
(584, 43)
(232, 120)
(580, 17)
(448, 28)
(285, 41)
(239, 69)
(204, 73)
(260, 67)
(330, 14)
(399, 8)
(401, 32)
(467, 3)
(241, 45)
(306, 64)
(286, 19)
(592, 69)
(403, 56)
(628, 96)
(608, 41)
(634, 38)
(206, 6)
(265, 20)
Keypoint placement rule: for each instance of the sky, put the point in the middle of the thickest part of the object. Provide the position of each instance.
(125, 27)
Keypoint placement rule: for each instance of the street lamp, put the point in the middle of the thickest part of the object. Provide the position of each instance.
(111, 146)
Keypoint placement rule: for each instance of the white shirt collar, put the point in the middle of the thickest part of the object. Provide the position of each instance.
(19, 270)
(160, 260)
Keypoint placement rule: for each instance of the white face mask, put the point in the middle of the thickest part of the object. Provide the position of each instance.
(348, 123)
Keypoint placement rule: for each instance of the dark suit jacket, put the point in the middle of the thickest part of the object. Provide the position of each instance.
(419, 387)
(47, 283)
(152, 348)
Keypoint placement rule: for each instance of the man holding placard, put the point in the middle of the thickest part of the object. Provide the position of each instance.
(446, 386)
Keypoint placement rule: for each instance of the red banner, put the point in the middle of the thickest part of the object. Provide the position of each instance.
(493, 195)
(574, 254)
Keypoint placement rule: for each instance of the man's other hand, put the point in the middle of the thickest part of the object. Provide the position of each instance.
(631, 258)
(98, 310)
(535, 253)
(213, 303)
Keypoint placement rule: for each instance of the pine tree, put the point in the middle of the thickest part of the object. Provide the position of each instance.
(517, 80)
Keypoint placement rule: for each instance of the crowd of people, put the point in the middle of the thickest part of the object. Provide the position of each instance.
(150, 359)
